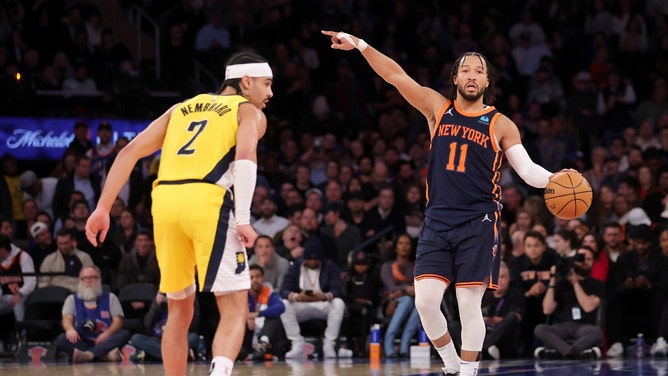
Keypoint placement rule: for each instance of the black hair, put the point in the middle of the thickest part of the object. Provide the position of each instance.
(244, 57)
(256, 267)
(489, 95)
(5, 242)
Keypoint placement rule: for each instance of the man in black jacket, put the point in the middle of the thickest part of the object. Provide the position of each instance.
(572, 301)
(313, 289)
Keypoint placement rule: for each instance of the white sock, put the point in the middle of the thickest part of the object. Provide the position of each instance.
(450, 358)
(468, 368)
(221, 366)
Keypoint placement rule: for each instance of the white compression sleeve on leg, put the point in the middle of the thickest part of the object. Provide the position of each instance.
(530, 172)
(473, 325)
(245, 174)
(428, 295)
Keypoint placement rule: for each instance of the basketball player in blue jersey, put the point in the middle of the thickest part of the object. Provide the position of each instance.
(460, 239)
(201, 205)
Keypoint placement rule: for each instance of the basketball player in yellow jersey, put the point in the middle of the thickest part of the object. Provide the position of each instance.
(201, 204)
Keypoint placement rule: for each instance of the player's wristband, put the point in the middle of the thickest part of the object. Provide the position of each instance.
(361, 44)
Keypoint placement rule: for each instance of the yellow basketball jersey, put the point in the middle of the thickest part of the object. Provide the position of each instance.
(200, 140)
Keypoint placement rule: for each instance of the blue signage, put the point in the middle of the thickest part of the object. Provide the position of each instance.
(48, 138)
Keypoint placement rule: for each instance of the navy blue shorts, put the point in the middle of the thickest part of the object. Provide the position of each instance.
(467, 255)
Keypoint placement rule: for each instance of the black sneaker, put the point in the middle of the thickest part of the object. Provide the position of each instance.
(546, 354)
(593, 353)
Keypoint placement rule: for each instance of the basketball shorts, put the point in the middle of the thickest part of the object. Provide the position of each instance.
(466, 255)
(195, 232)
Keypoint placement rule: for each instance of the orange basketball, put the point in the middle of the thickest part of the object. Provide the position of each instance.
(568, 195)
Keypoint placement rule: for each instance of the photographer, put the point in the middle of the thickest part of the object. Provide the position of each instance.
(92, 320)
(572, 298)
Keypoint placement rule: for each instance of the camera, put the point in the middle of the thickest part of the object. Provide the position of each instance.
(564, 265)
(317, 143)
(88, 326)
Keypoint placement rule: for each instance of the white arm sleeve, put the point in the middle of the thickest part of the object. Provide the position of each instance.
(531, 173)
(245, 174)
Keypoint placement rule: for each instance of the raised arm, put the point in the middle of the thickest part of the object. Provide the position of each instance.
(426, 100)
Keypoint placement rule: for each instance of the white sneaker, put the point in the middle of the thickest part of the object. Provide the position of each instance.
(659, 348)
(328, 351)
(445, 371)
(345, 353)
(494, 352)
(297, 351)
(615, 351)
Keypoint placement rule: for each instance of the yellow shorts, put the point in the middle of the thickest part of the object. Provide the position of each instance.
(195, 230)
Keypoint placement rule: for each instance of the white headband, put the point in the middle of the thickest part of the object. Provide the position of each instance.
(249, 69)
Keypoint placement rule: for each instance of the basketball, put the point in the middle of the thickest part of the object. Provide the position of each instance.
(568, 195)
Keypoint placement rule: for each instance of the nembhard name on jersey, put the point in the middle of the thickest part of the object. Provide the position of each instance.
(219, 108)
(463, 132)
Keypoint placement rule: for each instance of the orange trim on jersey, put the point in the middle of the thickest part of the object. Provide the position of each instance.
(473, 114)
(426, 190)
(468, 284)
(492, 138)
(492, 286)
(434, 276)
(439, 117)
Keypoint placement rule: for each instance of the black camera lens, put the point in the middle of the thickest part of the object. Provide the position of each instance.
(88, 326)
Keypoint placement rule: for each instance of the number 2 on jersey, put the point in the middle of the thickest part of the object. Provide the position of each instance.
(461, 163)
(199, 125)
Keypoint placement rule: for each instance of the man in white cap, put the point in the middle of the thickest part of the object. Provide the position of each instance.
(43, 243)
(40, 189)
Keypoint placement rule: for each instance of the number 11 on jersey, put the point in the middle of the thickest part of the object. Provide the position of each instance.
(461, 158)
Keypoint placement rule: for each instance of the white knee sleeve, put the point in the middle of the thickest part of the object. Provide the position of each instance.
(182, 294)
(473, 326)
(428, 296)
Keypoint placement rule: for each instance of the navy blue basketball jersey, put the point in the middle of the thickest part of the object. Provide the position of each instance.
(464, 164)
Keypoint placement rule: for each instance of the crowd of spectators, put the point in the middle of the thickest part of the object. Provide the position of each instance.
(344, 158)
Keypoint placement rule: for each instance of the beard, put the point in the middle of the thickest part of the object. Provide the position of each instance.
(469, 97)
(89, 293)
(582, 271)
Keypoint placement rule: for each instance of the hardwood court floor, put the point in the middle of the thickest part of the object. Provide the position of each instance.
(357, 367)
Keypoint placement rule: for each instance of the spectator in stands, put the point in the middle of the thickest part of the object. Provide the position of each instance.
(39, 189)
(92, 321)
(14, 287)
(43, 243)
(140, 264)
(63, 265)
(264, 329)
(273, 265)
(104, 152)
(268, 222)
(310, 228)
(7, 229)
(149, 345)
(382, 216)
(212, 42)
(503, 310)
(640, 284)
(346, 235)
(81, 84)
(124, 235)
(290, 247)
(573, 301)
(11, 197)
(657, 105)
(81, 180)
(313, 289)
(531, 274)
(397, 276)
(364, 290)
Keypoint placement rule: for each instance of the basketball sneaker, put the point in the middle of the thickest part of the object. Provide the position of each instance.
(659, 348)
